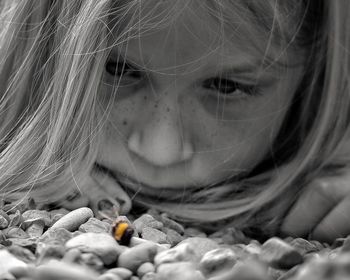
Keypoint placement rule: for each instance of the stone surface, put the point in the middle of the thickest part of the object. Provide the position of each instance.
(132, 258)
(180, 253)
(91, 260)
(303, 246)
(56, 236)
(34, 214)
(122, 272)
(200, 245)
(169, 223)
(145, 268)
(279, 254)
(146, 220)
(15, 232)
(73, 220)
(179, 270)
(217, 261)
(9, 261)
(101, 244)
(96, 226)
(22, 253)
(154, 235)
(172, 236)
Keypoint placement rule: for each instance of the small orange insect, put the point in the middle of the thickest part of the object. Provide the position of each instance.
(122, 231)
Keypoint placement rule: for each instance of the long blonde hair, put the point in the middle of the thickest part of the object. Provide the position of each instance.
(52, 56)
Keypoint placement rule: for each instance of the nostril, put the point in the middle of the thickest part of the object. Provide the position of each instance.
(104, 204)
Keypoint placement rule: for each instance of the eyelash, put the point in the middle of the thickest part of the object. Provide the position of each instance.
(214, 84)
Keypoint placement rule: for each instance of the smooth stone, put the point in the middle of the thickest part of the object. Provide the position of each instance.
(248, 270)
(3, 222)
(74, 219)
(146, 220)
(180, 253)
(279, 254)
(179, 270)
(194, 232)
(122, 272)
(303, 246)
(91, 260)
(15, 232)
(34, 214)
(56, 236)
(28, 243)
(96, 226)
(45, 252)
(57, 270)
(169, 223)
(200, 245)
(36, 228)
(150, 276)
(253, 248)
(145, 268)
(15, 219)
(71, 256)
(109, 276)
(230, 236)
(154, 235)
(133, 257)
(102, 244)
(9, 261)
(346, 244)
(22, 253)
(173, 237)
(217, 261)
(137, 241)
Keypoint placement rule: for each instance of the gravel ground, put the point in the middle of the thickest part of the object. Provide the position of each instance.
(58, 244)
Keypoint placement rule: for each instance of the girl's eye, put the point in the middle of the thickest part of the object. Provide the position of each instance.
(122, 70)
(228, 87)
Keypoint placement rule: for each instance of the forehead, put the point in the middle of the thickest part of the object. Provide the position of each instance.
(191, 30)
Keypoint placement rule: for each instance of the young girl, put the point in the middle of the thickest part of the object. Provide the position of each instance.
(221, 113)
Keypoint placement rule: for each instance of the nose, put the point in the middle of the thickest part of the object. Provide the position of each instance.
(159, 138)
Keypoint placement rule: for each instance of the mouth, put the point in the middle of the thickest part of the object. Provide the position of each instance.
(135, 188)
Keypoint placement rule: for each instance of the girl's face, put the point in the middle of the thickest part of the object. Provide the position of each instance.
(193, 107)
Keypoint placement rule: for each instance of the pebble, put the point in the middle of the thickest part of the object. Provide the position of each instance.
(92, 260)
(15, 219)
(217, 261)
(179, 270)
(15, 232)
(96, 226)
(200, 245)
(35, 227)
(133, 257)
(173, 237)
(194, 232)
(181, 253)
(57, 270)
(109, 276)
(247, 270)
(9, 261)
(146, 221)
(279, 254)
(22, 253)
(171, 224)
(45, 252)
(102, 244)
(154, 235)
(74, 219)
(145, 268)
(303, 246)
(122, 272)
(56, 236)
(150, 276)
(34, 214)
(3, 222)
